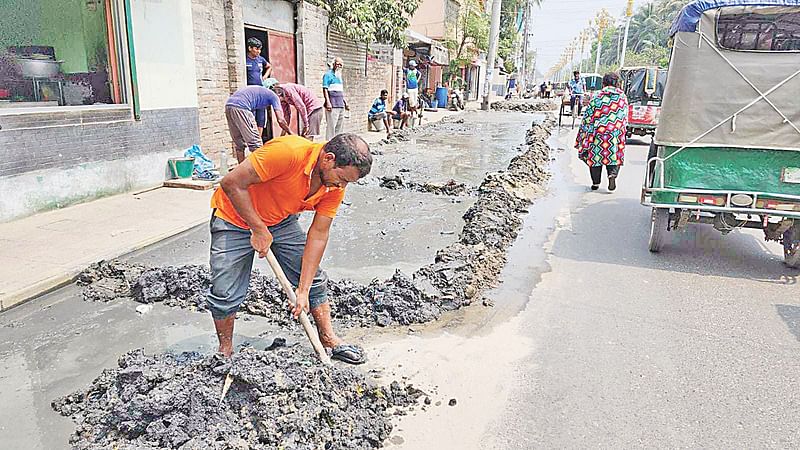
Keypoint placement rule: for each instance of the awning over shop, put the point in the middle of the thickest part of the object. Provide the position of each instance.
(434, 52)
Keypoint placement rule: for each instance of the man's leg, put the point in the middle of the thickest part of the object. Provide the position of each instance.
(250, 133)
(339, 120)
(289, 242)
(330, 126)
(261, 119)
(387, 122)
(314, 122)
(237, 140)
(231, 261)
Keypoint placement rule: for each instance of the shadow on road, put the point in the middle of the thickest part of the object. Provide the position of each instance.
(616, 231)
(791, 316)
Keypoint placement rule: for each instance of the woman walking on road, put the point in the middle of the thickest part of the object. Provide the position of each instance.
(601, 138)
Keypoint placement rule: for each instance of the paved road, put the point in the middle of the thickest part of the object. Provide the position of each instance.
(697, 346)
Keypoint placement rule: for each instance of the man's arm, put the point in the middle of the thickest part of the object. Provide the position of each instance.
(235, 185)
(267, 70)
(316, 241)
(325, 84)
(300, 106)
(281, 120)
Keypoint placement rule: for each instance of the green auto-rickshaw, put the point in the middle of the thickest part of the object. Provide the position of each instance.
(727, 148)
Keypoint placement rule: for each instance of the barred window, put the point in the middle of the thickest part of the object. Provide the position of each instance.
(764, 32)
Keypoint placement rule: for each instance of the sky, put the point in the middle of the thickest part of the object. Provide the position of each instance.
(557, 22)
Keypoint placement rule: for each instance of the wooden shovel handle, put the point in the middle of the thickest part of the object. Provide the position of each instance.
(311, 332)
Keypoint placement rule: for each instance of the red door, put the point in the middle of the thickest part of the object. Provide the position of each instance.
(284, 66)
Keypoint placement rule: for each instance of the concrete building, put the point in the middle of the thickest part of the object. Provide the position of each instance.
(298, 43)
(95, 95)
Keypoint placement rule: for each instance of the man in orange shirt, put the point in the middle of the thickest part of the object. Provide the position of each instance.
(256, 209)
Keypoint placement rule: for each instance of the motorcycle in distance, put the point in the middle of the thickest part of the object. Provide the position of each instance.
(455, 100)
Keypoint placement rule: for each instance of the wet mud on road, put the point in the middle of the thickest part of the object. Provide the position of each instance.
(391, 241)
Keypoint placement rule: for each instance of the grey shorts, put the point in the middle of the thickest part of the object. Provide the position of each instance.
(315, 121)
(242, 126)
(232, 261)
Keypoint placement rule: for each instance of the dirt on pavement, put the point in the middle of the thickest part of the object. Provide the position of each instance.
(281, 398)
(458, 275)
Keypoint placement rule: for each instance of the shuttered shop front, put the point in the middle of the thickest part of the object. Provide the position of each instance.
(353, 54)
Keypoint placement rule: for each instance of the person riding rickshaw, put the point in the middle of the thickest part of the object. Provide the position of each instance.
(590, 84)
(644, 88)
(727, 148)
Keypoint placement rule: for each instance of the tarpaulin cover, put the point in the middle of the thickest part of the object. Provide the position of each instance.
(703, 90)
(690, 15)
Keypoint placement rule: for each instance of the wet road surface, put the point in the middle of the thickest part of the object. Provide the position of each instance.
(697, 346)
(59, 343)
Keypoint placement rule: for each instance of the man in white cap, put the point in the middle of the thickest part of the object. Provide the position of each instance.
(413, 77)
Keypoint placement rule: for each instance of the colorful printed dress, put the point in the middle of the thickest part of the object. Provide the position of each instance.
(601, 138)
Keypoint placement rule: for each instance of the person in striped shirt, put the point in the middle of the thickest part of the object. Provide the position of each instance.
(335, 103)
(378, 112)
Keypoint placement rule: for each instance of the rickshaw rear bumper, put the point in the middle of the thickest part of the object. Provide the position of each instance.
(761, 203)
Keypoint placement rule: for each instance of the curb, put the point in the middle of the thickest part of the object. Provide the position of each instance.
(56, 282)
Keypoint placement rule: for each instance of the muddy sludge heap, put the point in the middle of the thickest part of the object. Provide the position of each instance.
(283, 398)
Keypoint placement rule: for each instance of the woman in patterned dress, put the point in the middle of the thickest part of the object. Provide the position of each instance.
(601, 138)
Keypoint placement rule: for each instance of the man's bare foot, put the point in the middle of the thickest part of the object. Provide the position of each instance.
(322, 317)
(225, 335)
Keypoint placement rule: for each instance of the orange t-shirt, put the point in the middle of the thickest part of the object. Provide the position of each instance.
(284, 165)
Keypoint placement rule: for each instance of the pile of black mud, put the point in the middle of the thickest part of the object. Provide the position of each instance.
(456, 278)
(527, 106)
(448, 124)
(282, 398)
(451, 188)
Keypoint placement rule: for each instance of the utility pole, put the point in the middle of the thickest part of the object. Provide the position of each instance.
(494, 38)
(584, 38)
(602, 21)
(628, 18)
(523, 72)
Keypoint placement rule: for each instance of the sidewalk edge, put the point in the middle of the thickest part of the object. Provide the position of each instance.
(53, 283)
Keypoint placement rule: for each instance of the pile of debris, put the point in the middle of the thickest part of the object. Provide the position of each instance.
(451, 187)
(283, 398)
(459, 273)
(528, 106)
(428, 129)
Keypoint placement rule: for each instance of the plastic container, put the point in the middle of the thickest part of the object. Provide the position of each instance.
(434, 103)
(441, 97)
(181, 167)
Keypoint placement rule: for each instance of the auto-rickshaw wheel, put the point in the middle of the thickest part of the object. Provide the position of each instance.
(791, 247)
(659, 221)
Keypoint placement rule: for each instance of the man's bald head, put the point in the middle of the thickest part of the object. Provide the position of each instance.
(351, 150)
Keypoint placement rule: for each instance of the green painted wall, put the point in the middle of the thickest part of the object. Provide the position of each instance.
(78, 34)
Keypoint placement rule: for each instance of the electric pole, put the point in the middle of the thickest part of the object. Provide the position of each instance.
(602, 21)
(494, 38)
(628, 18)
(523, 72)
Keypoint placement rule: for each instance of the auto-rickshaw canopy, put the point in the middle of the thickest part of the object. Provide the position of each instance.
(734, 76)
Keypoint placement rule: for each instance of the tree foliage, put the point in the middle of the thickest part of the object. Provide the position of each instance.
(647, 38)
(382, 21)
(470, 34)
(510, 36)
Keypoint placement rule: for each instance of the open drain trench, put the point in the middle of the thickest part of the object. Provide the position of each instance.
(282, 397)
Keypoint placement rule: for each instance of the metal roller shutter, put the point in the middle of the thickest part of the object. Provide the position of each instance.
(353, 54)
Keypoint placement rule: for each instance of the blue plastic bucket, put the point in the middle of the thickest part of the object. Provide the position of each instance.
(434, 103)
